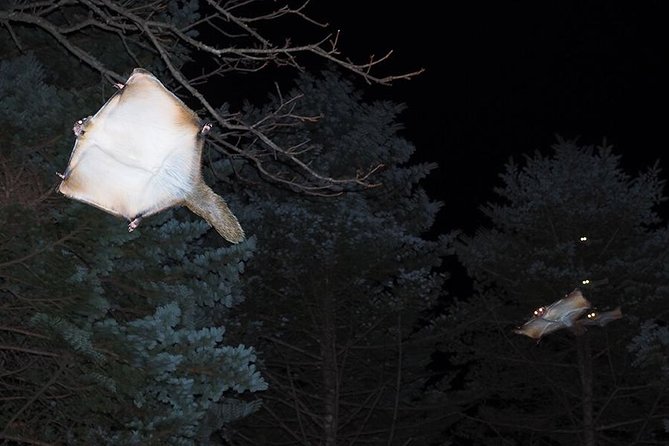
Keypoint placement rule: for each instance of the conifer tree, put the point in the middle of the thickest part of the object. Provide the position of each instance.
(343, 282)
(107, 337)
(571, 219)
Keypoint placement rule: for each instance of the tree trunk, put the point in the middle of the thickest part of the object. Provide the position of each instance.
(585, 370)
(330, 381)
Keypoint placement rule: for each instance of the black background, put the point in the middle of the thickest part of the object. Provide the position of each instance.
(503, 78)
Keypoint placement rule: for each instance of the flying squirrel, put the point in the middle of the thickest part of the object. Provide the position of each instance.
(560, 314)
(141, 153)
(566, 313)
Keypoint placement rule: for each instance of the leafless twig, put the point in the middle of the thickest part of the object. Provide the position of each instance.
(231, 38)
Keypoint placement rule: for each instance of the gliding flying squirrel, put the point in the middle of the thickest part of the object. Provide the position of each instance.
(566, 313)
(140, 154)
(560, 314)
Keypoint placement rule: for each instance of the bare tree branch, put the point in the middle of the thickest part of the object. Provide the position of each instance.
(230, 38)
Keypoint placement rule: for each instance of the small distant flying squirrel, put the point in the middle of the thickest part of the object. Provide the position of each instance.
(560, 314)
(141, 154)
(566, 313)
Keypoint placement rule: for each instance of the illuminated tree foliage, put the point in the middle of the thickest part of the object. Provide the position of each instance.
(571, 219)
(108, 337)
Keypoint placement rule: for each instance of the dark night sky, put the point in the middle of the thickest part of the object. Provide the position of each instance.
(502, 78)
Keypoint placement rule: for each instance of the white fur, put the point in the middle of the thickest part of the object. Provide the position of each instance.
(139, 153)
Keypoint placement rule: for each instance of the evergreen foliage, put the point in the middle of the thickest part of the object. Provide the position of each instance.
(116, 338)
(120, 339)
(343, 282)
(106, 337)
(566, 389)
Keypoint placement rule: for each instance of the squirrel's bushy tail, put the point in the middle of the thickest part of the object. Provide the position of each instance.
(207, 204)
